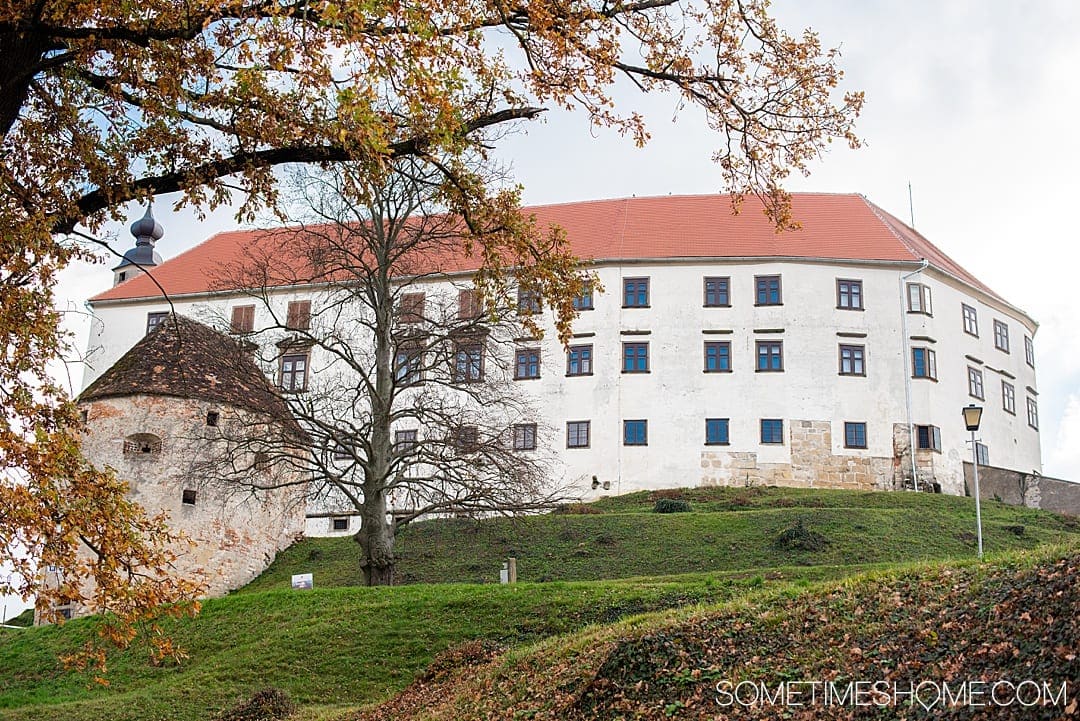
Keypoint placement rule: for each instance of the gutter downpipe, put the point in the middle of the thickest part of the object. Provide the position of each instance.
(907, 376)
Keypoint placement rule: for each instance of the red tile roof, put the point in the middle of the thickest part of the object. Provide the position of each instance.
(833, 226)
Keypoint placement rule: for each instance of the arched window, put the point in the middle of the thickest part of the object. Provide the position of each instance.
(142, 445)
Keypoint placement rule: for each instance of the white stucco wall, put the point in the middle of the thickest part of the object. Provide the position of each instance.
(676, 396)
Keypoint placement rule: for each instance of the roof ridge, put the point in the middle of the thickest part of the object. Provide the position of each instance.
(879, 213)
(618, 199)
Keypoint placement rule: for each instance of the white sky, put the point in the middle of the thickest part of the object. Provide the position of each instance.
(973, 102)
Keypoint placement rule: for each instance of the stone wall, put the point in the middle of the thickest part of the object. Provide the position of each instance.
(1025, 489)
(236, 533)
(813, 464)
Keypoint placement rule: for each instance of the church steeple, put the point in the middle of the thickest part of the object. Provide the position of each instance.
(147, 232)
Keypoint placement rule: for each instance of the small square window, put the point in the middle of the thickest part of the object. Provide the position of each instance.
(579, 360)
(341, 452)
(982, 454)
(528, 301)
(294, 371)
(188, 497)
(212, 418)
(852, 360)
(1001, 336)
(717, 292)
(584, 300)
(636, 433)
(923, 363)
(716, 431)
(298, 315)
(635, 358)
(770, 356)
(577, 434)
(525, 437)
(971, 320)
(262, 461)
(339, 524)
(849, 295)
(635, 293)
(469, 363)
(928, 438)
(718, 356)
(767, 290)
(409, 364)
(466, 439)
(1029, 352)
(153, 320)
(1008, 397)
(975, 383)
(919, 300)
(854, 435)
(405, 441)
(527, 363)
(772, 430)
(243, 319)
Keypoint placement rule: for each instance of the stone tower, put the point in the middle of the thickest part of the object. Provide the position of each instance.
(162, 414)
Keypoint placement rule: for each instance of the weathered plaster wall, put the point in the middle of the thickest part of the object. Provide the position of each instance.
(1025, 489)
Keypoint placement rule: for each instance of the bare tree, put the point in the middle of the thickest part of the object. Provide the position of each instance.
(399, 373)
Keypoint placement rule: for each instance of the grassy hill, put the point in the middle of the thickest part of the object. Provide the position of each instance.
(338, 647)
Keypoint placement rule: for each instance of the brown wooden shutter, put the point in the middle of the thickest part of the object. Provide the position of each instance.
(412, 308)
(468, 304)
(299, 315)
(243, 319)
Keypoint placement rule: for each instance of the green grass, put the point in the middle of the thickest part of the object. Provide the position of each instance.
(338, 647)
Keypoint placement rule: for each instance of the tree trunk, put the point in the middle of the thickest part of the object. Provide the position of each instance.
(376, 539)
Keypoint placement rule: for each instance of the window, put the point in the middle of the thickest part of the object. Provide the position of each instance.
(339, 524)
(577, 434)
(466, 439)
(294, 370)
(635, 433)
(770, 356)
(982, 454)
(772, 430)
(928, 438)
(849, 294)
(212, 418)
(405, 441)
(469, 363)
(971, 320)
(852, 360)
(468, 304)
(635, 358)
(918, 299)
(854, 435)
(411, 308)
(153, 320)
(718, 356)
(716, 431)
(528, 301)
(923, 363)
(635, 293)
(1008, 397)
(298, 316)
(717, 292)
(975, 383)
(584, 301)
(579, 360)
(525, 437)
(341, 452)
(1001, 336)
(188, 497)
(1029, 351)
(527, 363)
(262, 461)
(121, 276)
(1033, 413)
(408, 365)
(142, 445)
(767, 289)
(243, 319)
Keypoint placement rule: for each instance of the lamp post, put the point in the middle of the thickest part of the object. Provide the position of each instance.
(972, 416)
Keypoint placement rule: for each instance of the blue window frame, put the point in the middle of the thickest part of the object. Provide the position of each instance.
(584, 301)
(772, 430)
(635, 293)
(636, 433)
(770, 355)
(527, 363)
(579, 360)
(717, 292)
(768, 289)
(923, 363)
(716, 431)
(635, 358)
(717, 356)
(469, 363)
(407, 365)
(854, 435)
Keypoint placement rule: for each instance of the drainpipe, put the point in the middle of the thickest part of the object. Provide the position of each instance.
(904, 354)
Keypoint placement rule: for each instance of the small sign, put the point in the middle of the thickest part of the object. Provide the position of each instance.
(302, 581)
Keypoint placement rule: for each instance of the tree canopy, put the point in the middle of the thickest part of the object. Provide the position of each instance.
(108, 101)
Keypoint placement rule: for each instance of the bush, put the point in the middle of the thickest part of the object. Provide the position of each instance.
(270, 704)
(671, 505)
(801, 538)
(675, 494)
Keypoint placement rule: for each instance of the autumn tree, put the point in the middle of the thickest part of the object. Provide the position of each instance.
(399, 372)
(105, 102)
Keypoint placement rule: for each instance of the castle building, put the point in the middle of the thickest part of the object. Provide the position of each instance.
(715, 351)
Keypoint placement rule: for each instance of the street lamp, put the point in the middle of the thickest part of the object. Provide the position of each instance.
(972, 416)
